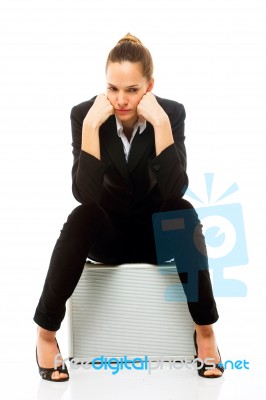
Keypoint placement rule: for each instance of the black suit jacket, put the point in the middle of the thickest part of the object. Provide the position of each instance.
(135, 188)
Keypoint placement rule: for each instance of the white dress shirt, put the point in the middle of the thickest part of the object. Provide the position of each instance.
(140, 124)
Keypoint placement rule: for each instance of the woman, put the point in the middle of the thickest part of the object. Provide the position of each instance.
(129, 163)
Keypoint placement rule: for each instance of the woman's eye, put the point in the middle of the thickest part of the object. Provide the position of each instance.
(114, 89)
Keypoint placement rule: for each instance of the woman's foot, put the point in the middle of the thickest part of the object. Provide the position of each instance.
(207, 348)
(46, 350)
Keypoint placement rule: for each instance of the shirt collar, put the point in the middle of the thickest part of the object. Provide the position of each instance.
(141, 124)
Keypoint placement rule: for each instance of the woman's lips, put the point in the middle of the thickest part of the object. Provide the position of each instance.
(123, 111)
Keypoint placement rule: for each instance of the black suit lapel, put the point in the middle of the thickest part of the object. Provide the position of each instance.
(113, 146)
(141, 143)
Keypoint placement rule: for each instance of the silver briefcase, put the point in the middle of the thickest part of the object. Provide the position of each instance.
(131, 310)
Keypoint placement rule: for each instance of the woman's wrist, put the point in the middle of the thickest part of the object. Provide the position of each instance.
(162, 133)
(90, 140)
(90, 125)
(160, 119)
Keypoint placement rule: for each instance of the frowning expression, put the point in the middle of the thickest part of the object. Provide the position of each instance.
(126, 86)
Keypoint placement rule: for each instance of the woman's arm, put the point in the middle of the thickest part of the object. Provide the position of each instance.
(150, 109)
(169, 165)
(101, 110)
(88, 170)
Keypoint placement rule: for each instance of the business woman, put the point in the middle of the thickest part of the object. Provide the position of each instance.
(129, 163)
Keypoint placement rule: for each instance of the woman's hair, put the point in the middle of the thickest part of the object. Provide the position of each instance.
(130, 48)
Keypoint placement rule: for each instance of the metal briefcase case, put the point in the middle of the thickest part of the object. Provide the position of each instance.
(129, 310)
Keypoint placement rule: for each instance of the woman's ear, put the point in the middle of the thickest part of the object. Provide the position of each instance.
(150, 85)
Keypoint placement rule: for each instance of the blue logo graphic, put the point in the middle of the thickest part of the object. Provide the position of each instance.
(178, 237)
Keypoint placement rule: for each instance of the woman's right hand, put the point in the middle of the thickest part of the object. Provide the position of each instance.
(100, 111)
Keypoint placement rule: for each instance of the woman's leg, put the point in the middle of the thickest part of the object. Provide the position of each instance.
(88, 232)
(179, 236)
(189, 250)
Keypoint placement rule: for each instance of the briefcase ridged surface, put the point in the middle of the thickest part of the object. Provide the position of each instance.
(129, 310)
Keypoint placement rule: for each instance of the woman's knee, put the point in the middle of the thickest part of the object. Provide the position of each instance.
(84, 217)
(176, 204)
(179, 209)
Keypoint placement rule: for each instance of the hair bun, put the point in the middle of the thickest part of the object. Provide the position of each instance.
(130, 38)
(130, 49)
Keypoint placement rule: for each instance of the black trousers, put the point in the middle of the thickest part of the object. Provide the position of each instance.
(90, 232)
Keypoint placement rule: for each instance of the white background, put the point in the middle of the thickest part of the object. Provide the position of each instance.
(208, 55)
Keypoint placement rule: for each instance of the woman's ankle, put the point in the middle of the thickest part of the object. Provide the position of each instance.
(204, 330)
(45, 334)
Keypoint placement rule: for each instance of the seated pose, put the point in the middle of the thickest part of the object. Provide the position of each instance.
(129, 163)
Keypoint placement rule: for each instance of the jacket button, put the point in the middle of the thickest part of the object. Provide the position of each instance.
(156, 167)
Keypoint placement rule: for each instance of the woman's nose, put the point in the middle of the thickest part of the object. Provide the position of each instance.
(121, 99)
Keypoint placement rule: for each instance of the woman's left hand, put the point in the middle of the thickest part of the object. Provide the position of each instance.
(151, 110)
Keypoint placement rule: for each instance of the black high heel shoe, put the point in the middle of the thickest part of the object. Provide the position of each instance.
(46, 373)
(203, 368)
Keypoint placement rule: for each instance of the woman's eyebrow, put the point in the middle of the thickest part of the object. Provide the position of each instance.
(131, 86)
(127, 87)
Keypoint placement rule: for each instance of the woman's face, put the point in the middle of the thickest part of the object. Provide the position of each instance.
(125, 88)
